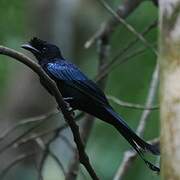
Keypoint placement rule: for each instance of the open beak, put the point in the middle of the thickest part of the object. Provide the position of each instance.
(30, 48)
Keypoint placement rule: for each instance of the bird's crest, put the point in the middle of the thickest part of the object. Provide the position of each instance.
(37, 43)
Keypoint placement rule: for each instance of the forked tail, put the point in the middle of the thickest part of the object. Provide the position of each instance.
(136, 142)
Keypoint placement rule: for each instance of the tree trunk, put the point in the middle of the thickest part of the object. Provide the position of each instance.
(170, 88)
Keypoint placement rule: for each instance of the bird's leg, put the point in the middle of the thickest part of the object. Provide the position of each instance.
(69, 108)
(67, 100)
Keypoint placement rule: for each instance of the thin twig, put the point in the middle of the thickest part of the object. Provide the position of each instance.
(130, 44)
(131, 105)
(107, 28)
(108, 66)
(36, 119)
(58, 97)
(19, 159)
(26, 122)
(19, 137)
(128, 26)
(107, 69)
(44, 133)
(149, 101)
(46, 152)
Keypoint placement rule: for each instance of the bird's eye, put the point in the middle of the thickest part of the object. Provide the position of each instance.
(44, 48)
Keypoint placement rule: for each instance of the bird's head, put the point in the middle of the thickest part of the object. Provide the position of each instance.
(42, 50)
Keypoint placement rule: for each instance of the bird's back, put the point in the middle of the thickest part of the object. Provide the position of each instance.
(74, 83)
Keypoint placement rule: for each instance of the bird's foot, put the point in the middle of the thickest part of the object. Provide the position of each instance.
(71, 111)
(69, 108)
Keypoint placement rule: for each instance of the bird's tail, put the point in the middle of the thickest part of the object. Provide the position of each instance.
(136, 142)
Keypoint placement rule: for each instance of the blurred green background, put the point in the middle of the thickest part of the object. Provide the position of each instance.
(69, 24)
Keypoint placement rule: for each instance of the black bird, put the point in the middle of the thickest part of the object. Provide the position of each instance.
(83, 94)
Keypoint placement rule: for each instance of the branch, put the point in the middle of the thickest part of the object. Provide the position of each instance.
(58, 97)
(22, 141)
(128, 26)
(25, 122)
(131, 105)
(108, 27)
(46, 152)
(149, 101)
(109, 67)
(44, 133)
(19, 159)
(12, 143)
(35, 119)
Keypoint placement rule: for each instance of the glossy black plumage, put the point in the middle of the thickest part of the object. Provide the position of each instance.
(83, 94)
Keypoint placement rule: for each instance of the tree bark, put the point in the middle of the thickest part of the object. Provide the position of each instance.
(170, 88)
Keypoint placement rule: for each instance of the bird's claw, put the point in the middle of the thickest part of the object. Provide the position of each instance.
(71, 111)
(68, 107)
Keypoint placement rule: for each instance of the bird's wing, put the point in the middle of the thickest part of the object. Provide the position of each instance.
(71, 75)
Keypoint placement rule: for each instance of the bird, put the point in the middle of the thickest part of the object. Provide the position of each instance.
(82, 93)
